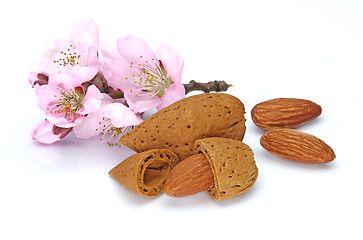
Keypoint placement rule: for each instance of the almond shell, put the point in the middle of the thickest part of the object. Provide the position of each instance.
(233, 166)
(179, 125)
(145, 173)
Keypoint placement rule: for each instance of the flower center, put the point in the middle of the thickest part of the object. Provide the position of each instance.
(110, 132)
(68, 57)
(153, 81)
(69, 103)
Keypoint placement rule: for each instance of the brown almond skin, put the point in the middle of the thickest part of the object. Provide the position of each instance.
(190, 176)
(297, 146)
(284, 113)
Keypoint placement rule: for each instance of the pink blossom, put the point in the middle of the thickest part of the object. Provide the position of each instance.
(64, 101)
(78, 54)
(111, 121)
(46, 132)
(147, 81)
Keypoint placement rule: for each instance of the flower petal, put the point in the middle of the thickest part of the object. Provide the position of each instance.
(53, 53)
(135, 50)
(121, 116)
(60, 121)
(140, 101)
(109, 50)
(91, 101)
(92, 124)
(65, 79)
(43, 132)
(86, 73)
(89, 127)
(117, 71)
(171, 61)
(85, 34)
(48, 95)
(107, 99)
(173, 93)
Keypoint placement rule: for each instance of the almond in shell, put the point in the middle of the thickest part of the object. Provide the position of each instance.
(179, 125)
(223, 167)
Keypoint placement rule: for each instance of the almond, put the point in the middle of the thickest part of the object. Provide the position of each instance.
(190, 176)
(284, 113)
(177, 126)
(297, 146)
(223, 167)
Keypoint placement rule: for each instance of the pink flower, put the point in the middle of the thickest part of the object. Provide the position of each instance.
(46, 132)
(147, 81)
(111, 121)
(78, 54)
(64, 101)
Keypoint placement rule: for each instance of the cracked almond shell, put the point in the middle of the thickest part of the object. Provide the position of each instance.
(179, 125)
(145, 173)
(233, 166)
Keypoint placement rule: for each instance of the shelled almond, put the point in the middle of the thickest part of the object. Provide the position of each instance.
(192, 175)
(297, 146)
(284, 113)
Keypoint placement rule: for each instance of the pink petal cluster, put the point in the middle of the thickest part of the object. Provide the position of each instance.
(63, 99)
(78, 54)
(148, 80)
(111, 121)
(62, 70)
(64, 102)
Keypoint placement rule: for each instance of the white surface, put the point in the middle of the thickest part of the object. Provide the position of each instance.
(306, 49)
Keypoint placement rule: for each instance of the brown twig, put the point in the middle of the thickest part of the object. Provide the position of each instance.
(99, 81)
(116, 94)
(213, 86)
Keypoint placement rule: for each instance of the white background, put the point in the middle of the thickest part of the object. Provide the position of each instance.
(310, 49)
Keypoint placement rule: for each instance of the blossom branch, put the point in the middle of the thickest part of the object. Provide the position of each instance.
(212, 86)
(100, 82)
